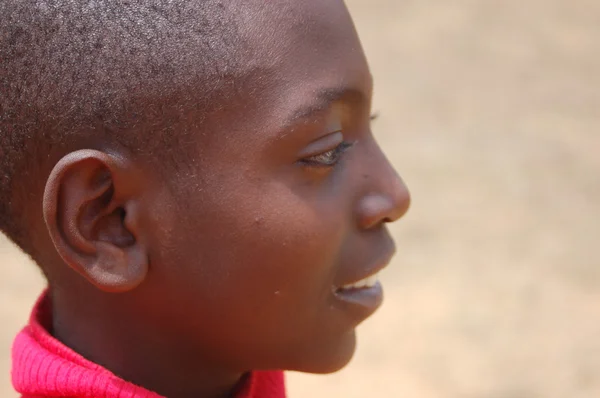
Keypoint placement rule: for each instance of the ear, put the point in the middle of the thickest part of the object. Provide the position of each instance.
(90, 212)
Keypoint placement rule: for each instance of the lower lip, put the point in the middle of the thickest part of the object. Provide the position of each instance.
(363, 301)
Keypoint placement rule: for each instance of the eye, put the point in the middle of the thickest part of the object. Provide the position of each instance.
(329, 158)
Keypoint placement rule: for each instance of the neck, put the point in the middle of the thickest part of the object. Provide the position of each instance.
(102, 331)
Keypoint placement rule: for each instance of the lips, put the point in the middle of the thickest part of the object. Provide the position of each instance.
(361, 293)
(359, 303)
(367, 276)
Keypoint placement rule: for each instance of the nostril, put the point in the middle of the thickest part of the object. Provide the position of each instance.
(383, 207)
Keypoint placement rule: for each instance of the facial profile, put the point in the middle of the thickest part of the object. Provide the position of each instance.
(286, 204)
(260, 250)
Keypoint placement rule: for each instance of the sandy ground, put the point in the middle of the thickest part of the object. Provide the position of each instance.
(490, 109)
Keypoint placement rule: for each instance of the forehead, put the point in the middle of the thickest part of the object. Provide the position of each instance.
(294, 38)
(296, 57)
(302, 55)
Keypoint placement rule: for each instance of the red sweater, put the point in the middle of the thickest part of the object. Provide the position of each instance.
(43, 367)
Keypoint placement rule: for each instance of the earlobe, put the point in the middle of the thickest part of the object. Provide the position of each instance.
(86, 206)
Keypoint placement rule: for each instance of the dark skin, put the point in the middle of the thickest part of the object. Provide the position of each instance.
(234, 262)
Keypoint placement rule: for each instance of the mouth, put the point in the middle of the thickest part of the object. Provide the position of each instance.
(360, 302)
(363, 296)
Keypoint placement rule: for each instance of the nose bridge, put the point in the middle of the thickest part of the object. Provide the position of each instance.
(385, 197)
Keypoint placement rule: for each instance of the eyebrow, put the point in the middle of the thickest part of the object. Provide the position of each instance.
(323, 100)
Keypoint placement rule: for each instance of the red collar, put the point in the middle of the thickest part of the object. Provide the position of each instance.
(44, 367)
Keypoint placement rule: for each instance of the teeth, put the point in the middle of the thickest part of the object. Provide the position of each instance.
(369, 281)
(372, 281)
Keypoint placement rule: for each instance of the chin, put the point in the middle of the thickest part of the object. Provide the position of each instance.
(331, 358)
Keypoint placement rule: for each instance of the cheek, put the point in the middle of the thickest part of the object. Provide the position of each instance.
(245, 272)
(277, 247)
(265, 263)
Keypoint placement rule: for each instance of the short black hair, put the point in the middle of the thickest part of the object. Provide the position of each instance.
(71, 71)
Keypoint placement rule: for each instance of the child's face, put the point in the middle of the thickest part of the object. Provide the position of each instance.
(251, 248)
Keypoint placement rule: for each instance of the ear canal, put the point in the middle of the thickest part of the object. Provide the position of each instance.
(107, 218)
(111, 228)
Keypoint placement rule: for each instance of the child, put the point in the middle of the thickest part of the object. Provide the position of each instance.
(199, 184)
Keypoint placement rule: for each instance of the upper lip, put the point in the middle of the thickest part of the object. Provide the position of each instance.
(359, 273)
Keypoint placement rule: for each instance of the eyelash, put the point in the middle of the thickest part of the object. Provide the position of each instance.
(334, 154)
(329, 158)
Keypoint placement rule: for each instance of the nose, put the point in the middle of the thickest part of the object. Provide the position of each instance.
(387, 198)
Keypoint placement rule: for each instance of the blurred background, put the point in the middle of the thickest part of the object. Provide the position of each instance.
(490, 110)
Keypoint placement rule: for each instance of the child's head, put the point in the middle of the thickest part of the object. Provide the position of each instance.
(206, 166)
